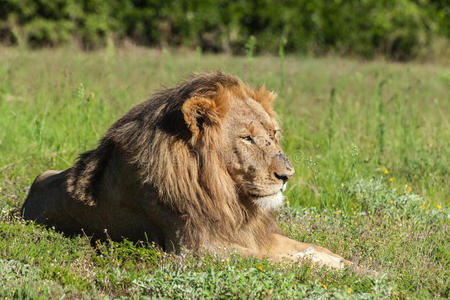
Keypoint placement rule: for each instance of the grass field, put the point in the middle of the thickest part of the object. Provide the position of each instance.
(370, 142)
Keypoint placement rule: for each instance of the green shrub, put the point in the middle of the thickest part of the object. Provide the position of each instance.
(41, 32)
(396, 29)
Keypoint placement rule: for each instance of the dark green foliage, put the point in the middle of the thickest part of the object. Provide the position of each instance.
(396, 29)
(54, 22)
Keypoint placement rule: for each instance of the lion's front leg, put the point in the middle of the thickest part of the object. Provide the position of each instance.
(284, 247)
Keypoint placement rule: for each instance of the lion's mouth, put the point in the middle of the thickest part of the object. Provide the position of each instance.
(257, 196)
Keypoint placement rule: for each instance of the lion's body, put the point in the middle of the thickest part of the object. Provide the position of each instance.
(196, 166)
(51, 205)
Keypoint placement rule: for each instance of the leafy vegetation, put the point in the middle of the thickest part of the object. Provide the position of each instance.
(369, 141)
(399, 29)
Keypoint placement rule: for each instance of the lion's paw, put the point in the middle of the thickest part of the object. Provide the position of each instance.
(321, 258)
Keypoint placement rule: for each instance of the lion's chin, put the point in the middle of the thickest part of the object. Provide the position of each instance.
(270, 202)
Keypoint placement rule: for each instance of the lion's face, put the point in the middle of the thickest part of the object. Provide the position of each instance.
(253, 154)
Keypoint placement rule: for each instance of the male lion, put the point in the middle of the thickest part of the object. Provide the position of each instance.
(197, 166)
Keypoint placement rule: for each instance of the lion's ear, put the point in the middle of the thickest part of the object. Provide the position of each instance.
(266, 98)
(200, 113)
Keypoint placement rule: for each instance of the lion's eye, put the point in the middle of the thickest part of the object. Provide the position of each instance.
(277, 134)
(248, 139)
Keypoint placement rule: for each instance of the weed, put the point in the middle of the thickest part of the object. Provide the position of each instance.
(169, 65)
(282, 56)
(250, 47)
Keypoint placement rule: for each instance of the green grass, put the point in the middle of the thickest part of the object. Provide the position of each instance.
(345, 122)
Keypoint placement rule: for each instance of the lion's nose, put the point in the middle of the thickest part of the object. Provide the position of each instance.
(284, 176)
(282, 168)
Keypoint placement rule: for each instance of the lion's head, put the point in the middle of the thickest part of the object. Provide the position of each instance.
(249, 143)
(257, 163)
(209, 149)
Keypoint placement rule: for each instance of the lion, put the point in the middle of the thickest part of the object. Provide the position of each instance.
(198, 167)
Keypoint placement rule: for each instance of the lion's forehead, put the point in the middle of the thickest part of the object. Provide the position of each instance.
(251, 114)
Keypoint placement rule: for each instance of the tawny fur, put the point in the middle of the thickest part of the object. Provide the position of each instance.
(161, 172)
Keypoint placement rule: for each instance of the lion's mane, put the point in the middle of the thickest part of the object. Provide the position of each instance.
(178, 155)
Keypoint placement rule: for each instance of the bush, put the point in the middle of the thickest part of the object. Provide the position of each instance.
(397, 29)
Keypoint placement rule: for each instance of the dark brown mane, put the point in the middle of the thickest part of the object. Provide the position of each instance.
(185, 167)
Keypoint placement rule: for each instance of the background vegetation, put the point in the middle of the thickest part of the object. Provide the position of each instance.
(397, 29)
(369, 141)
